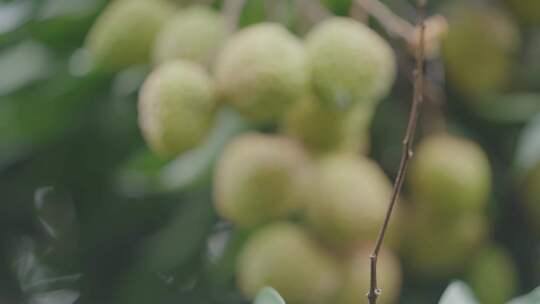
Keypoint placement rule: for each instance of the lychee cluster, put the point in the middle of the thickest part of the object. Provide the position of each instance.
(313, 204)
(320, 90)
(310, 199)
(449, 185)
(312, 219)
(447, 232)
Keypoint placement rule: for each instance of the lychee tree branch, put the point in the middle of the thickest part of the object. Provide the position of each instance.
(407, 153)
(392, 23)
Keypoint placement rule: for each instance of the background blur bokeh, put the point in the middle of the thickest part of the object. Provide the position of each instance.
(89, 215)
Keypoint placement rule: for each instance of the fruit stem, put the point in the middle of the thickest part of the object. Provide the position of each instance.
(232, 10)
(407, 152)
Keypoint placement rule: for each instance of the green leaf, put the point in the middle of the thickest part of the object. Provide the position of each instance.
(62, 24)
(340, 7)
(38, 114)
(458, 293)
(22, 64)
(532, 298)
(269, 296)
(170, 259)
(509, 108)
(146, 173)
(191, 168)
(528, 147)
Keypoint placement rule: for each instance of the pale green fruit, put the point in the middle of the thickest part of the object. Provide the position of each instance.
(435, 249)
(479, 51)
(528, 11)
(349, 202)
(261, 71)
(323, 130)
(261, 178)
(532, 196)
(450, 175)
(194, 34)
(493, 276)
(357, 277)
(124, 33)
(284, 257)
(176, 107)
(349, 63)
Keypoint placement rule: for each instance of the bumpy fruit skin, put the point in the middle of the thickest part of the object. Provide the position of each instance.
(349, 202)
(124, 33)
(261, 71)
(532, 196)
(451, 175)
(323, 130)
(479, 51)
(176, 107)
(261, 178)
(284, 257)
(493, 276)
(349, 63)
(434, 249)
(194, 34)
(357, 277)
(528, 11)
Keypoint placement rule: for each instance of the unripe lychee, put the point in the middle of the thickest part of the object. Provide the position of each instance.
(528, 11)
(493, 276)
(284, 257)
(435, 249)
(323, 130)
(261, 71)
(349, 63)
(193, 34)
(349, 202)
(261, 178)
(479, 50)
(125, 32)
(450, 176)
(531, 192)
(357, 277)
(176, 107)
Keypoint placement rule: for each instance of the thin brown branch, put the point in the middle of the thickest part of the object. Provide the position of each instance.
(392, 23)
(407, 153)
(232, 9)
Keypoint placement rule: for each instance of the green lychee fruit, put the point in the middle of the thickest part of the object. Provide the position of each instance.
(531, 191)
(450, 175)
(194, 34)
(434, 249)
(323, 130)
(479, 51)
(357, 277)
(261, 178)
(124, 33)
(349, 202)
(176, 107)
(493, 276)
(349, 63)
(284, 257)
(261, 71)
(528, 11)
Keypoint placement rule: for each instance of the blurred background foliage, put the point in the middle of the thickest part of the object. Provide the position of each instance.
(89, 215)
